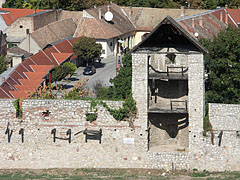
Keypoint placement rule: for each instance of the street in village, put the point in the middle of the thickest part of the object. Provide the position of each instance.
(105, 70)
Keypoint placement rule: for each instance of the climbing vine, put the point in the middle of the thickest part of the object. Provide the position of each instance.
(92, 115)
(18, 106)
(126, 113)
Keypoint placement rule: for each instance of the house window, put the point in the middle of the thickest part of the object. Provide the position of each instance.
(103, 51)
(111, 44)
(21, 26)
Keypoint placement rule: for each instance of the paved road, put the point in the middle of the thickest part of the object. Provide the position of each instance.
(104, 72)
(103, 75)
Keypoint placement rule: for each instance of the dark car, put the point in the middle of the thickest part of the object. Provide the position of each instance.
(89, 70)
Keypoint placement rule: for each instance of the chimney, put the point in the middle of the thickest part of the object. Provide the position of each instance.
(221, 16)
(182, 10)
(100, 13)
(28, 40)
(193, 23)
(226, 18)
(226, 6)
(3, 79)
(201, 21)
(130, 12)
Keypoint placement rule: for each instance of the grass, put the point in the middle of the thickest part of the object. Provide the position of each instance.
(199, 174)
(113, 174)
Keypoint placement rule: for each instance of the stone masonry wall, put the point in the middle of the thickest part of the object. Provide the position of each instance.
(159, 160)
(45, 18)
(196, 91)
(121, 147)
(139, 90)
(225, 118)
(18, 27)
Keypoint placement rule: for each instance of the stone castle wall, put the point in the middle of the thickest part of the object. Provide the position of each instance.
(121, 147)
(38, 150)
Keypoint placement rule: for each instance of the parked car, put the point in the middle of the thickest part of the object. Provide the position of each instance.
(89, 70)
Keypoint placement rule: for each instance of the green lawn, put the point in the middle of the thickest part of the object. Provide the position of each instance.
(113, 174)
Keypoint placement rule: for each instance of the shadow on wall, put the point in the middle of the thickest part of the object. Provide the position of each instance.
(171, 123)
(172, 89)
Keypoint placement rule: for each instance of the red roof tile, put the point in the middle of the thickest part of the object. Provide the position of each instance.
(16, 76)
(235, 14)
(27, 64)
(64, 47)
(61, 57)
(20, 70)
(11, 82)
(27, 77)
(41, 59)
(32, 82)
(26, 87)
(3, 94)
(14, 14)
(8, 19)
(41, 68)
(6, 88)
(35, 75)
(21, 94)
(49, 52)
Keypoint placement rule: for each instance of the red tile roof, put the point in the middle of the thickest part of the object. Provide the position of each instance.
(61, 57)
(211, 24)
(41, 68)
(101, 29)
(13, 14)
(28, 76)
(235, 14)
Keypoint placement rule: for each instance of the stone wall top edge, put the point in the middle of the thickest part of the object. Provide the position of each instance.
(156, 52)
(7, 100)
(68, 100)
(169, 153)
(222, 104)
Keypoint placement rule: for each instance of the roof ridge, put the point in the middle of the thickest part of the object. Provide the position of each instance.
(197, 15)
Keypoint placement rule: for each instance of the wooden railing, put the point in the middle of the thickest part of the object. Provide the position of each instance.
(184, 107)
(176, 67)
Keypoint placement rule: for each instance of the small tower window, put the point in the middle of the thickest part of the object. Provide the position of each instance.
(21, 26)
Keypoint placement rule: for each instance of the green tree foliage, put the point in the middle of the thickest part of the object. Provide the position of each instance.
(222, 64)
(122, 83)
(13, 4)
(3, 64)
(84, 4)
(62, 71)
(87, 49)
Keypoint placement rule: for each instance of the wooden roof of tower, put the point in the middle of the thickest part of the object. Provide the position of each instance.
(169, 20)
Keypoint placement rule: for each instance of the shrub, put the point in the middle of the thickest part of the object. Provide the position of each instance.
(62, 71)
(72, 67)
(91, 116)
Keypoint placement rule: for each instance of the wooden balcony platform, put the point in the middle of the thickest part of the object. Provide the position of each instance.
(168, 111)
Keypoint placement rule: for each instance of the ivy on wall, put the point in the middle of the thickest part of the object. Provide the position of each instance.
(126, 113)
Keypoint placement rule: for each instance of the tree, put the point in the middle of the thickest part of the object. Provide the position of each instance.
(122, 83)
(13, 4)
(3, 64)
(62, 71)
(223, 67)
(87, 49)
